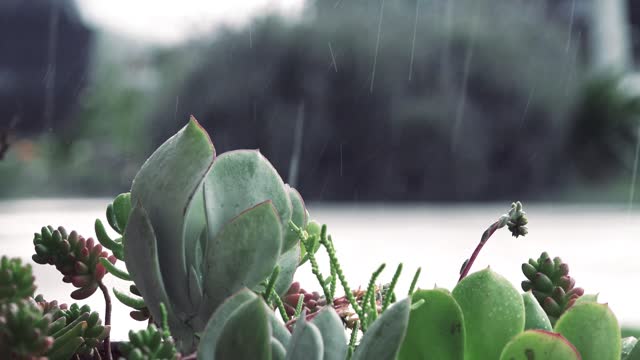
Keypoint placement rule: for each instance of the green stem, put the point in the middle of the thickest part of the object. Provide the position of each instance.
(280, 305)
(328, 244)
(414, 281)
(390, 291)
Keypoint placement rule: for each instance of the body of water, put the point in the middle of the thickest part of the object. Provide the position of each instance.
(600, 243)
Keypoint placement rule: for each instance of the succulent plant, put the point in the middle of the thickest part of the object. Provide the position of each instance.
(203, 227)
(227, 335)
(550, 283)
(149, 344)
(93, 333)
(77, 258)
(23, 331)
(16, 280)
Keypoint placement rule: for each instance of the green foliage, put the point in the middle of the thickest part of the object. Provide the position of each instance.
(593, 330)
(77, 258)
(550, 283)
(93, 331)
(493, 312)
(227, 228)
(539, 344)
(535, 317)
(23, 331)
(16, 280)
(149, 344)
(436, 328)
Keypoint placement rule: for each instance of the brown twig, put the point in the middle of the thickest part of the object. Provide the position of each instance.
(107, 319)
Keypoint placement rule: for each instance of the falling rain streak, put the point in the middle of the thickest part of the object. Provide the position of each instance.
(634, 174)
(333, 58)
(413, 42)
(50, 75)
(375, 56)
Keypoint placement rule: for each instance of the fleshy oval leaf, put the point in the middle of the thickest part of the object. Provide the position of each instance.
(535, 317)
(493, 312)
(383, 339)
(436, 328)
(593, 329)
(539, 345)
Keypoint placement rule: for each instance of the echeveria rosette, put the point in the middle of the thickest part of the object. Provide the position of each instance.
(16, 280)
(23, 331)
(77, 258)
(550, 283)
(201, 228)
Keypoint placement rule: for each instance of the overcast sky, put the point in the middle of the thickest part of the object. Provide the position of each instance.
(168, 21)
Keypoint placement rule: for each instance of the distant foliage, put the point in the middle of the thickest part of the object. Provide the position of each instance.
(480, 98)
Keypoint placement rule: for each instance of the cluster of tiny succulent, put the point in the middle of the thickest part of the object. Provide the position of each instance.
(16, 280)
(550, 283)
(32, 328)
(311, 302)
(149, 344)
(23, 331)
(77, 258)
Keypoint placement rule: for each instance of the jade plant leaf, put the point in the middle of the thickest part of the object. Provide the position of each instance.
(493, 312)
(239, 180)
(436, 328)
(288, 263)
(278, 351)
(539, 345)
(211, 333)
(634, 354)
(383, 339)
(332, 332)
(306, 341)
(593, 329)
(243, 254)
(164, 186)
(535, 317)
(247, 334)
(628, 344)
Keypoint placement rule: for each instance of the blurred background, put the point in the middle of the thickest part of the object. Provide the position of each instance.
(432, 113)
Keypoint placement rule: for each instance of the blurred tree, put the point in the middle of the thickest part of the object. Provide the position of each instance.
(45, 53)
(418, 100)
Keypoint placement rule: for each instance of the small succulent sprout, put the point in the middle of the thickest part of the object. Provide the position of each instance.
(51, 308)
(149, 344)
(517, 220)
(549, 281)
(77, 258)
(23, 331)
(93, 333)
(16, 280)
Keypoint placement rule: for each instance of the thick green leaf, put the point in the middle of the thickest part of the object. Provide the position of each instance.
(246, 335)
(288, 263)
(242, 255)
(278, 351)
(122, 209)
(306, 341)
(240, 180)
(436, 328)
(383, 338)
(211, 334)
(279, 331)
(331, 329)
(628, 344)
(593, 329)
(587, 298)
(539, 345)
(493, 312)
(634, 354)
(141, 259)
(535, 317)
(165, 186)
(298, 216)
(195, 236)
